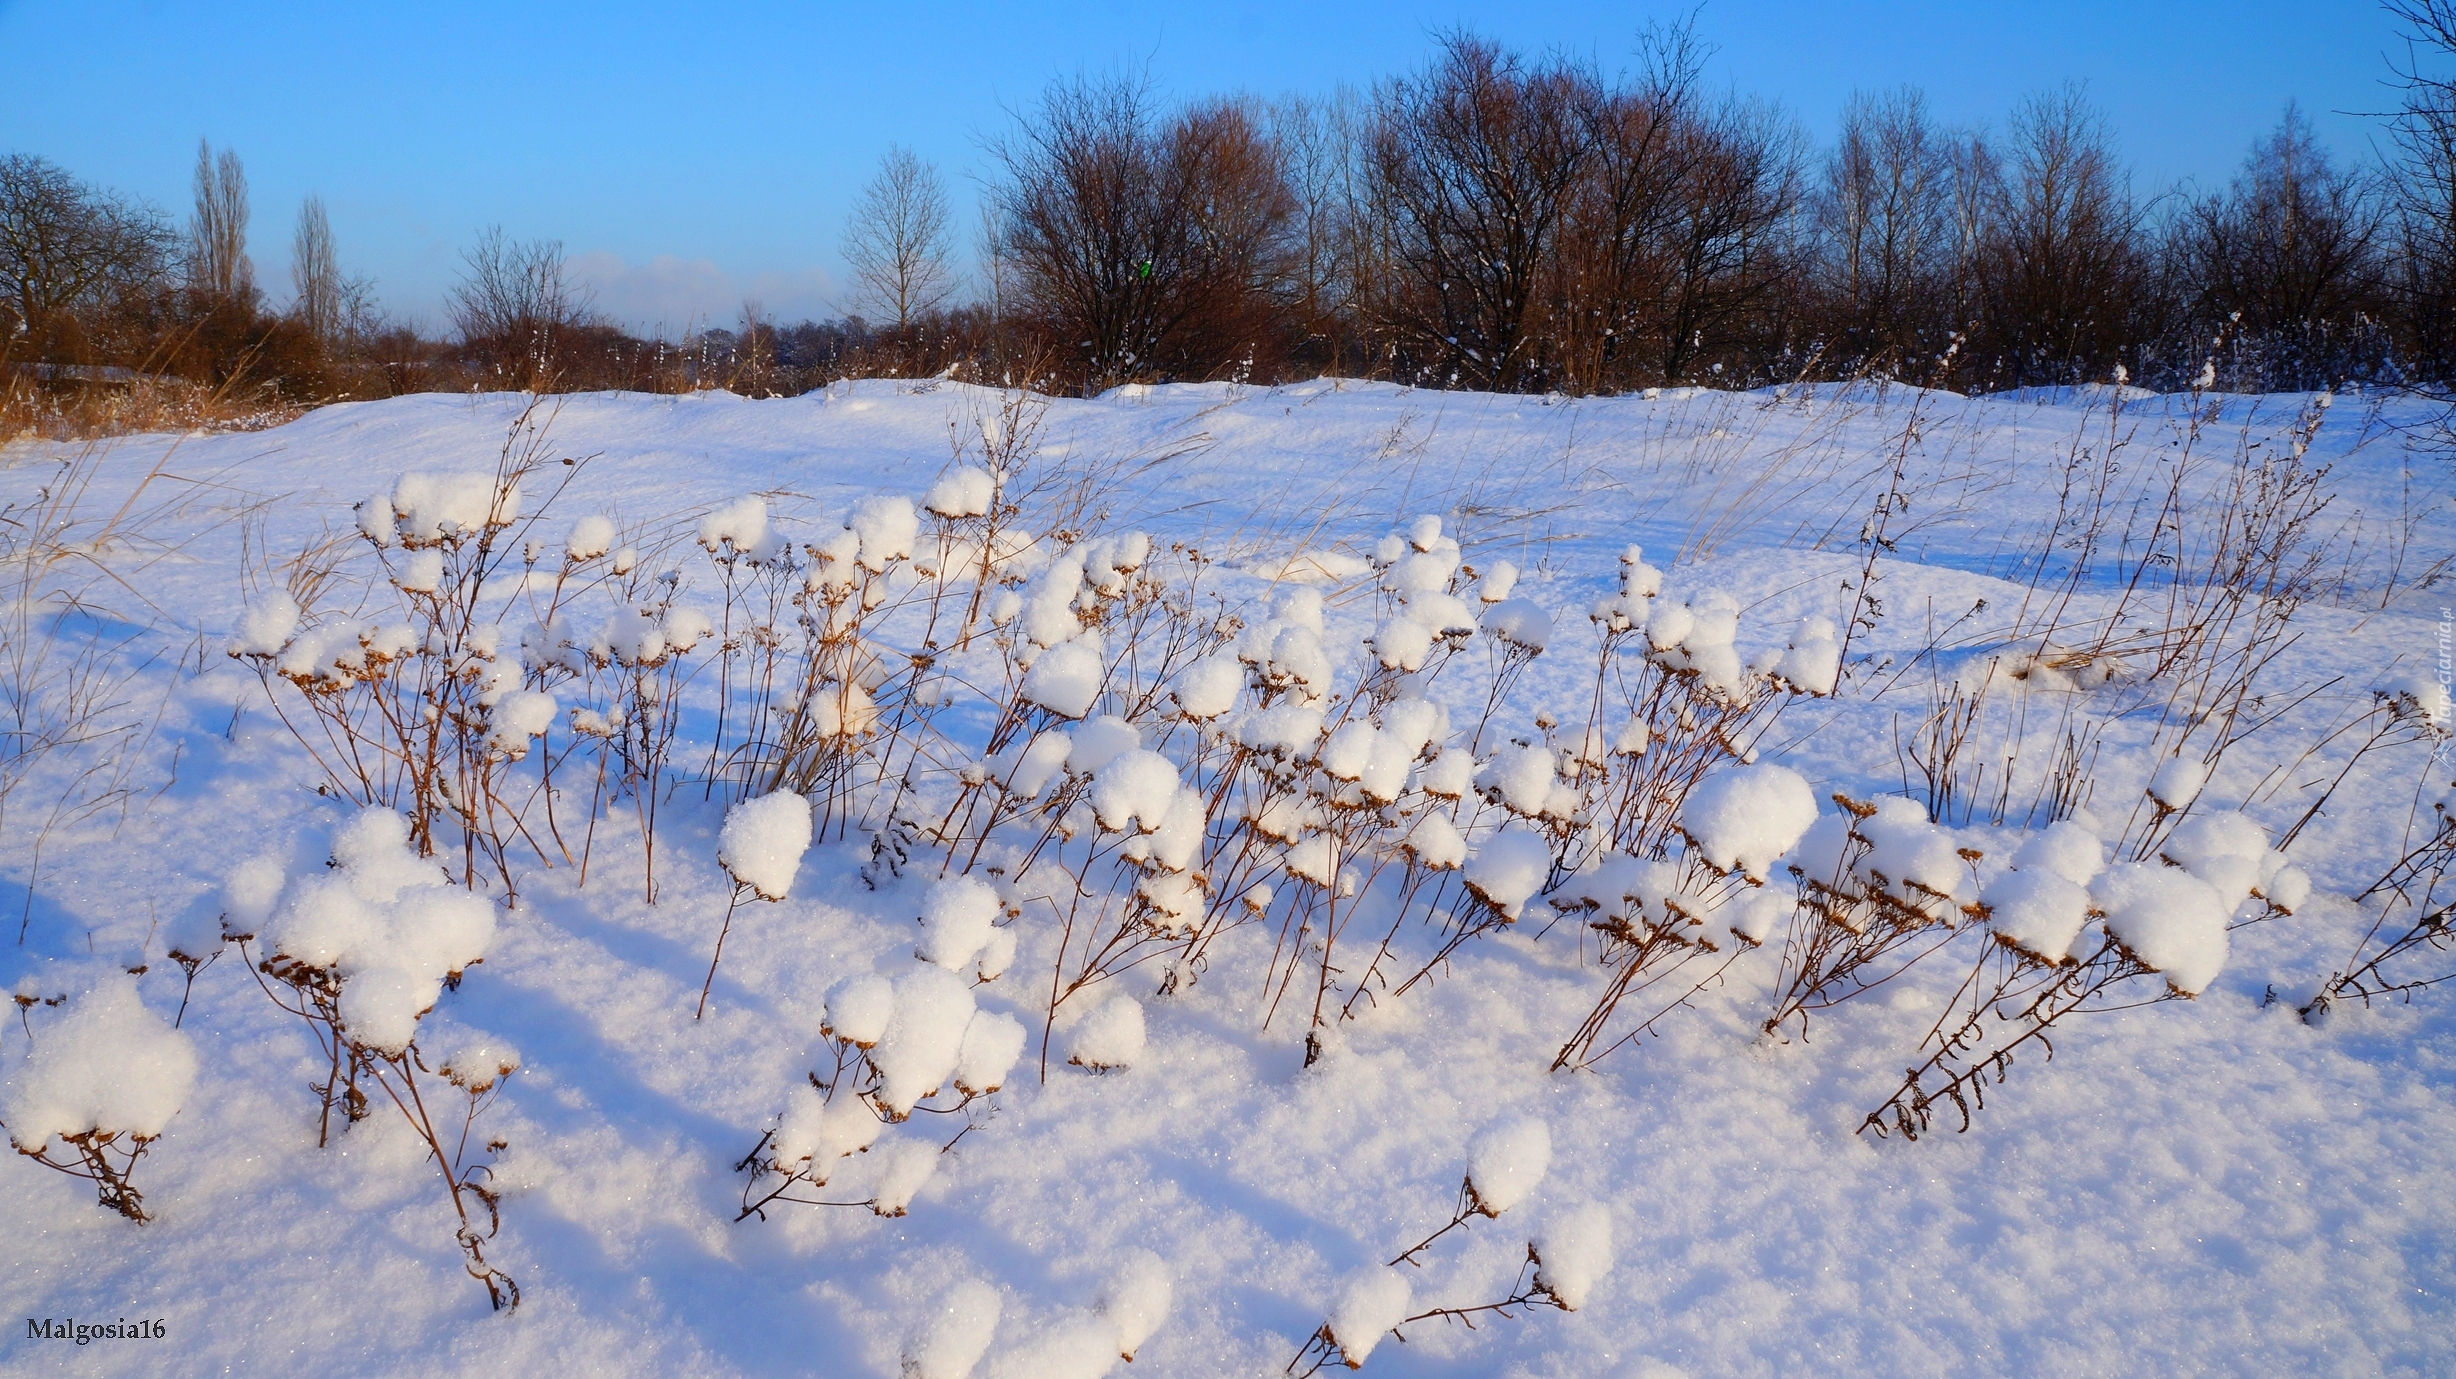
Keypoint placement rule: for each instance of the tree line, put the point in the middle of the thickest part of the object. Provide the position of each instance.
(1492, 220)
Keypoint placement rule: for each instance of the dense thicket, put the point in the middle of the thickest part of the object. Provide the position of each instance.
(1492, 220)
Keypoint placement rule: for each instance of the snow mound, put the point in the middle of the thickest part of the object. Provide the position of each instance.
(858, 1009)
(106, 1065)
(763, 840)
(2172, 921)
(1745, 818)
(992, 1041)
(1369, 1306)
(387, 923)
(917, 1052)
(2038, 912)
(1573, 1252)
(1065, 679)
(1507, 1163)
(957, 917)
(1137, 1300)
(1110, 1037)
(958, 1332)
(1510, 868)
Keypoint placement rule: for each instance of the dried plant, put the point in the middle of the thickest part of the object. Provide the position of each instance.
(105, 1158)
(426, 714)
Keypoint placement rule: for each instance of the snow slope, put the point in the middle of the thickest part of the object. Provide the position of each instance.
(2203, 1186)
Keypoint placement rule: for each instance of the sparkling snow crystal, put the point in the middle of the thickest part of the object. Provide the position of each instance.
(388, 923)
(741, 524)
(964, 492)
(815, 1133)
(2178, 782)
(957, 916)
(249, 894)
(2226, 850)
(1509, 868)
(1137, 1300)
(904, 1168)
(1520, 622)
(2038, 912)
(517, 717)
(431, 507)
(917, 1053)
(1209, 687)
(267, 624)
(993, 1040)
(2066, 849)
(858, 1009)
(1518, 778)
(1065, 679)
(590, 537)
(1134, 790)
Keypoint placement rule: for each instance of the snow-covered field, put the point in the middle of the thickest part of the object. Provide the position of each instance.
(2211, 1185)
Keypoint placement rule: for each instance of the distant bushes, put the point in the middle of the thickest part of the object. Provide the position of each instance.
(1501, 222)
(1491, 220)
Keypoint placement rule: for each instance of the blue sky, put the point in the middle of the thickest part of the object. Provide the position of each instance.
(688, 160)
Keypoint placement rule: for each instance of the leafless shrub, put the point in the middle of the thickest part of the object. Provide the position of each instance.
(2288, 257)
(1988, 1021)
(337, 311)
(2060, 266)
(108, 1160)
(2423, 186)
(2210, 589)
(2407, 894)
(414, 1083)
(426, 715)
(1885, 226)
(517, 311)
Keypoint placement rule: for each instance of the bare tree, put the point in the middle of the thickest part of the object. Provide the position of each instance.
(1143, 247)
(989, 248)
(2423, 184)
(315, 273)
(897, 240)
(66, 249)
(754, 361)
(515, 308)
(217, 235)
(1886, 226)
(2063, 274)
(1608, 288)
(1975, 190)
(1476, 165)
(1729, 250)
(1320, 140)
(2287, 258)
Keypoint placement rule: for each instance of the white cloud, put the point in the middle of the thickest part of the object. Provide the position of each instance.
(670, 295)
